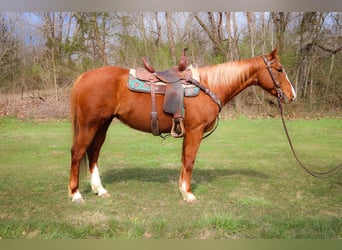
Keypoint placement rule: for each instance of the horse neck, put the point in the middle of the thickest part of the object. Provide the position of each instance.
(228, 79)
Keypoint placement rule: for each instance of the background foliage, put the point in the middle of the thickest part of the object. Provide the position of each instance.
(40, 51)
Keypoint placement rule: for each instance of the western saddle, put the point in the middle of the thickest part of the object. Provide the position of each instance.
(174, 79)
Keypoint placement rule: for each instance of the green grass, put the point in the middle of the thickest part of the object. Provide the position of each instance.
(247, 183)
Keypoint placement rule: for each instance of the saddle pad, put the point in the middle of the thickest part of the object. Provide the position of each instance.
(137, 85)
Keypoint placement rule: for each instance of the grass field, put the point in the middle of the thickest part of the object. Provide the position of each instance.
(247, 183)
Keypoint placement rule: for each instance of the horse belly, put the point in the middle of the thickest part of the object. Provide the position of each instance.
(135, 111)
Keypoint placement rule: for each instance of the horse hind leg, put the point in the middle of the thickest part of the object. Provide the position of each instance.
(78, 150)
(93, 152)
(84, 138)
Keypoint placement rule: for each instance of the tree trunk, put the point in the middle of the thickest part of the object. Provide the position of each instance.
(158, 29)
(280, 20)
(309, 30)
(213, 32)
(99, 38)
(251, 23)
(170, 37)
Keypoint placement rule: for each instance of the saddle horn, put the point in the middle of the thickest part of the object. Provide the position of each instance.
(183, 61)
(147, 65)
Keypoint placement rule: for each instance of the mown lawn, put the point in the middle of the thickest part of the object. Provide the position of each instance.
(247, 183)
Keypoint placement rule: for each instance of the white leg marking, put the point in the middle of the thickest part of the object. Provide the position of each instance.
(96, 184)
(189, 197)
(77, 197)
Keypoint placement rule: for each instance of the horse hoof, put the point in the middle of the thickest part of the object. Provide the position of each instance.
(190, 198)
(101, 192)
(77, 198)
(78, 201)
(104, 195)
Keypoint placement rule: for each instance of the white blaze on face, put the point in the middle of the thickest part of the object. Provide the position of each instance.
(293, 90)
(96, 184)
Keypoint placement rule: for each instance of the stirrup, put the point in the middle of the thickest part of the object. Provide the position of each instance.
(180, 130)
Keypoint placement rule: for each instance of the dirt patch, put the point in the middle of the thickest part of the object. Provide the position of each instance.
(36, 105)
(46, 105)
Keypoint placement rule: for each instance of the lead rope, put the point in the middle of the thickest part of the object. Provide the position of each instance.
(281, 95)
(311, 172)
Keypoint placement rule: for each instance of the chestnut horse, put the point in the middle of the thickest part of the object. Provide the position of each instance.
(101, 94)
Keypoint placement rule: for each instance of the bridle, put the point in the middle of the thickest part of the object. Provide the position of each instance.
(280, 95)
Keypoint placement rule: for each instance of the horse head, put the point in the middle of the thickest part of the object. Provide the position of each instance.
(273, 78)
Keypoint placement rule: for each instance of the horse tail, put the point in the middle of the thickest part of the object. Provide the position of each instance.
(74, 123)
(73, 112)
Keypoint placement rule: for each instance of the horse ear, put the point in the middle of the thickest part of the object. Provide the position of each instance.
(274, 53)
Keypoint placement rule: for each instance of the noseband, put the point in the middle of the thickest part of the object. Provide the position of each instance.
(280, 93)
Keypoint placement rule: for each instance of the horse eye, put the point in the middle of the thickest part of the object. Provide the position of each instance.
(280, 70)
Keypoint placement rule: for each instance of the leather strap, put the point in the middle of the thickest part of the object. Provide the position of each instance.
(154, 114)
(208, 92)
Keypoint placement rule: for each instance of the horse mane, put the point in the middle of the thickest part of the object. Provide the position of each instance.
(221, 75)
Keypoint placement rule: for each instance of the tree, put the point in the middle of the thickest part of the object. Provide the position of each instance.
(232, 37)
(280, 21)
(52, 29)
(309, 32)
(214, 31)
(170, 37)
(251, 23)
(92, 35)
(9, 51)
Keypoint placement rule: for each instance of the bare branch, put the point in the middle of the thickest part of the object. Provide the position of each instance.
(211, 35)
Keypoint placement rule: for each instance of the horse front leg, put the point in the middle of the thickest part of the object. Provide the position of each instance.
(191, 145)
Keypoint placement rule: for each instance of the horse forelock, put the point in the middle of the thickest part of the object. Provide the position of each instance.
(224, 74)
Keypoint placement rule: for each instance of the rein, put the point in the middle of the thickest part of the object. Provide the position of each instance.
(280, 95)
(309, 171)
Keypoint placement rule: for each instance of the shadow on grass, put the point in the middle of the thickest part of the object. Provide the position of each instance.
(166, 175)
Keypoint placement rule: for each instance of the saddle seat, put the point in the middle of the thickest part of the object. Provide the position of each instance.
(173, 82)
